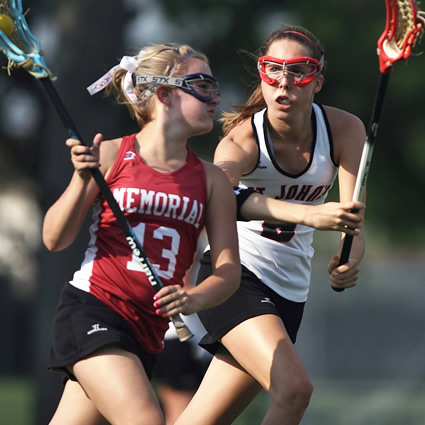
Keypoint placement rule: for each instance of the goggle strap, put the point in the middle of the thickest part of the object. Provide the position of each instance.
(160, 79)
(172, 81)
(301, 59)
(182, 83)
(306, 37)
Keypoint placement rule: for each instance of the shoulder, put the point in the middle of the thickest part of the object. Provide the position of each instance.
(242, 135)
(348, 131)
(108, 153)
(212, 171)
(239, 147)
(216, 178)
(342, 121)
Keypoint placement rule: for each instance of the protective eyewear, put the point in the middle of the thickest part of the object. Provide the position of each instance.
(301, 71)
(202, 86)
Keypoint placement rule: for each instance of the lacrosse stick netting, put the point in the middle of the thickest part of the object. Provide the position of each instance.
(403, 31)
(18, 43)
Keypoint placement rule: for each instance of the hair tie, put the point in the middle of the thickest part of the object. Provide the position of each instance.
(129, 63)
(297, 33)
(307, 38)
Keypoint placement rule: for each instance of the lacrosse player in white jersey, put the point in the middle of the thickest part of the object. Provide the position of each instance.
(282, 153)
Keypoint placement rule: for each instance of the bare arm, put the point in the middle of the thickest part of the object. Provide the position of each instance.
(328, 216)
(64, 218)
(220, 225)
(237, 154)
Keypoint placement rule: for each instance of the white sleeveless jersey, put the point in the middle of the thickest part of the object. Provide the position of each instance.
(279, 254)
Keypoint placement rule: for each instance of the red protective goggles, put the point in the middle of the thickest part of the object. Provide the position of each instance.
(301, 71)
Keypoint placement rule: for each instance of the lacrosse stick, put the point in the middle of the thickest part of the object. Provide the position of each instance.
(23, 50)
(404, 28)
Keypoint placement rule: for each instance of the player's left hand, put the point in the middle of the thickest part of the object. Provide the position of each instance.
(172, 300)
(343, 276)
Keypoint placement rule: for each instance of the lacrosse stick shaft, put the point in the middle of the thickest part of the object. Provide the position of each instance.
(365, 161)
(182, 330)
(403, 30)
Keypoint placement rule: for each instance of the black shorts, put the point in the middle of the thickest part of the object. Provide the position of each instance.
(252, 299)
(181, 365)
(82, 325)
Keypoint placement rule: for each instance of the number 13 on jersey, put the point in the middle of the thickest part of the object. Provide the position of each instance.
(169, 255)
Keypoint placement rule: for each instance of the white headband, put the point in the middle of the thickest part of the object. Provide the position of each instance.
(129, 63)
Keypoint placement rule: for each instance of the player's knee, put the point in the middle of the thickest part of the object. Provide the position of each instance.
(295, 394)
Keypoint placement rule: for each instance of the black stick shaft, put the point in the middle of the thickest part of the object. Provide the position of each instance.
(136, 247)
(365, 161)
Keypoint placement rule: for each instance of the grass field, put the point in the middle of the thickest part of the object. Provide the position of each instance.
(367, 403)
(17, 404)
(16, 401)
(333, 403)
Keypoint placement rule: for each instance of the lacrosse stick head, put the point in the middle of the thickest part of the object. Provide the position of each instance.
(17, 42)
(403, 30)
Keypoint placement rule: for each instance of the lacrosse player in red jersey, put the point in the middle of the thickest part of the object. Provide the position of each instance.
(110, 323)
(282, 152)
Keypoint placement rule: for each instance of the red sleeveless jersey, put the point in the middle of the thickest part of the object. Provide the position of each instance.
(166, 212)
